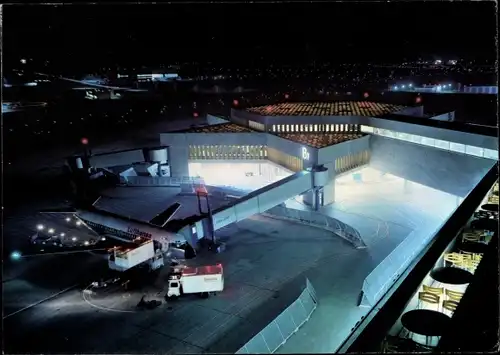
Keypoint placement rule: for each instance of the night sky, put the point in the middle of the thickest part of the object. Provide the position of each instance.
(238, 34)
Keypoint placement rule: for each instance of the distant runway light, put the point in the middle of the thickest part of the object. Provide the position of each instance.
(78, 223)
(74, 239)
(68, 219)
(62, 234)
(40, 227)
(51, 230)
(86, 243)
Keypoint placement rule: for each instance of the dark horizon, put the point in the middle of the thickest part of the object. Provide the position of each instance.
(242, 34)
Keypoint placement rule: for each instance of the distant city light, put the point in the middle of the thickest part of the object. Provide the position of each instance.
(103, 239)
(396, 88)
(15, 255)
(403, 86)
(410, 85)
(40, 227)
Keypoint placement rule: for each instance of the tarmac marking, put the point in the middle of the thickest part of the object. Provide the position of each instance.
(41, 301)
(100, 307)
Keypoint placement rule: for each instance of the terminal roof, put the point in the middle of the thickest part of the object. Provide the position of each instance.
(337, 108)
(220, 128)
(320, 140)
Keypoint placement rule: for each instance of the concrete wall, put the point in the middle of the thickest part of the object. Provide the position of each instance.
(118, 158)
(179, 156)
(450, 172)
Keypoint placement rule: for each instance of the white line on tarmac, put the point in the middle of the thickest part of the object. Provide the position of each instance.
(101, 307)
(41, 301)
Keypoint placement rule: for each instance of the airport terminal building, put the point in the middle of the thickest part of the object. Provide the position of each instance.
(370, 184)
(339, 136)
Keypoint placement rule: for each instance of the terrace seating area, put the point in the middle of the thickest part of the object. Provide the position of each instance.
(320, 140)
(338, 108)
(428, 315)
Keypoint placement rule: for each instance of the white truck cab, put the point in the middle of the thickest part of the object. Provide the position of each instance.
(201, 280)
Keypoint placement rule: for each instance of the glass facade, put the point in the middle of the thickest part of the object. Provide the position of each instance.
(349, 162)
(314, 128)
(436, 143)
(290, 162)
(257, 126)
(227, 152)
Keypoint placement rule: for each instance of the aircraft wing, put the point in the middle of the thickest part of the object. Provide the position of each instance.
(161, 219)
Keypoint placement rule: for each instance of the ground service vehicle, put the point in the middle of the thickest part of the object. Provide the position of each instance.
(201, 280)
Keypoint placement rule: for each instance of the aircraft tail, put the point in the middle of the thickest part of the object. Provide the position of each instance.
(161, 219)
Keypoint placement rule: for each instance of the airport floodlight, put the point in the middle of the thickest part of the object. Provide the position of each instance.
(40, 227)
(395, 88)
(103, 239)
(410, 85)
(51, 230)
(86, 242)
(403, 86)
(23, 61)
(62, 234)
(74, 239)
(15, 255)
(68, 219)
(78, 223)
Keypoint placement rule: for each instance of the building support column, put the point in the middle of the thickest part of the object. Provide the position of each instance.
(178, 157)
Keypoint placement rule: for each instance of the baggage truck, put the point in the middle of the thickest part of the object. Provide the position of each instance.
(202, 280)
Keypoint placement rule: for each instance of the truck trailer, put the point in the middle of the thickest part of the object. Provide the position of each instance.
(202, 280)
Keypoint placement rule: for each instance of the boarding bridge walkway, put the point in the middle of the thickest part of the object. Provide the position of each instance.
(260, 201)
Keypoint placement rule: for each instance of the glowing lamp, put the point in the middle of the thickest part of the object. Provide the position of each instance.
(287, 96)
(195, 114)
(15, 255)
(365, 95)
(418, 100)
(235, 102)
(84, 141)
